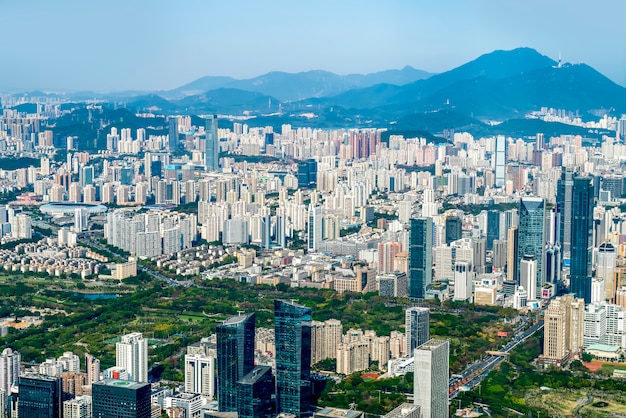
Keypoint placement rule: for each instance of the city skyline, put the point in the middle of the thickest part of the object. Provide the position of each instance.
(244, 42)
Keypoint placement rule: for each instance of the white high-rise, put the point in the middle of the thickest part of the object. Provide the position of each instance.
(79, 407)
(200, 375)
(314, 227)
(431, 378)
(417, 331)
(463, 279)
(132, 355)
(9, 370)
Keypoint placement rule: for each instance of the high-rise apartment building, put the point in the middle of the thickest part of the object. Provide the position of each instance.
(79, 407)
(314, 228)
(121, 399)
(417, 327)
(563, 329)
(40, 397)
(92, 368)
(531, 235)
(420, 256)
(235, 357)
(131, 354)
(431, 378)
(292, 328)
(200, 375)
(9, 370)
(325, 338)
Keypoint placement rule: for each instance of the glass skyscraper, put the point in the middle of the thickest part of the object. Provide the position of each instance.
(39, 397)
(420, 256)
(531, 235)
(417, 325)
(292, 326)
(120, 399)
(564, 203)
(235, 357)
(254, 391)
(581, 238)
(212, 144)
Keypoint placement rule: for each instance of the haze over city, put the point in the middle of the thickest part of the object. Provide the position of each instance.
(153, 45)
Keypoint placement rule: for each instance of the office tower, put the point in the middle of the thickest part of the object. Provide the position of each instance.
(454, 229)
(235, 357)
(564, 204)
(552, 263)
(9, 370)
(39, 397)
(292, 328)
(314, 227)
(530, 238)
(254, 393)
(606, 259)
(120, 399)
(493, 228)
(172, 139)
(479, 248)
(417, 327)
(200, 374)
(563, 329)
(528, 276)
(92, 367)
(307, 174)
(212, 145)
(79, 407)
(500, 161)
(463, 276)
(431, 378)
(86, 176)
(581, 238)
(132, 354)
(420, 256)
(511, 254)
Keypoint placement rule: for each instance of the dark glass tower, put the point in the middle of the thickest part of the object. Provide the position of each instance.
(454, 229)
(212, 145)
(113, 398)
(292, 327)
(254, 391)
(564, 203)
(531, 234)
(172, 140)
(420, 256)
(493, 228)
(39, 397)
(235, 357)
(582, 236)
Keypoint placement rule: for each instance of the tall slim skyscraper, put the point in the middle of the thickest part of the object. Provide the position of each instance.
(420, 256)
(120, 399)
(511, 254)
(431, 378)
(564, 204)
(500, 161)
(131, 353)
(493, 227)
(582, 238)
(9, 370)
(531, 235)
(454, 229)
(212, 144)
(40, 397)
(417, 322)
(235, 357)
(292, 328)
(172, 140)
(314, 227)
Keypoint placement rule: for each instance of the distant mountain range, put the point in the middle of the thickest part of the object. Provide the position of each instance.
(288, 87)
(501, 86)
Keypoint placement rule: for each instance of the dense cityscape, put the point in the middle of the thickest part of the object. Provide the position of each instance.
(312, 209)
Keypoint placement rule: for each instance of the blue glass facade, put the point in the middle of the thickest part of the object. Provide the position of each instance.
(292, 324)
(420, 256)
(255, 393)
(39, 397)
(531, 234)
(235, 357)
(582, 233)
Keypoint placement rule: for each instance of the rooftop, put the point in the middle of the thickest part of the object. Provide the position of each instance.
(127, 384)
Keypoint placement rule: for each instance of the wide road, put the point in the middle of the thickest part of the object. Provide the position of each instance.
(477, 371)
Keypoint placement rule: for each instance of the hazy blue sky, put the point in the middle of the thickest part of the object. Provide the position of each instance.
(158, 44)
